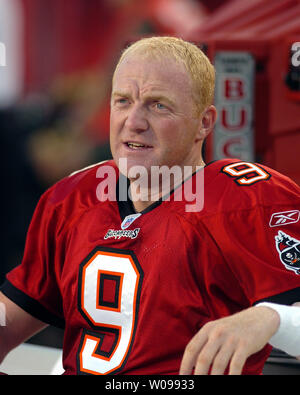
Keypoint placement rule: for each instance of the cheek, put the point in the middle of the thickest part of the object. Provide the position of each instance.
(113, 137)
(166, 129)
(112, 121)
(114, 127)
(116, 118)
(175, 136)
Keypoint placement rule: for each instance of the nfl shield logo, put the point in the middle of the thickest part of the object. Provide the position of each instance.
(129, 220)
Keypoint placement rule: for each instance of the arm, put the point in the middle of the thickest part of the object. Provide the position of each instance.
(17, 327)
(229, 341)
(287, 336)
(298, 305)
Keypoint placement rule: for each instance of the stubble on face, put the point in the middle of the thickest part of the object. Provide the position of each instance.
(171, 132)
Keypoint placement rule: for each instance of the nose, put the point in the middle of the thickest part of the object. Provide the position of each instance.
(136, 120)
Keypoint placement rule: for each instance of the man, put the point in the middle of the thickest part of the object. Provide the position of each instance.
(165, 282)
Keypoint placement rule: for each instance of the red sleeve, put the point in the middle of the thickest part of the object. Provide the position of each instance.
(34, 284)
(261, 242)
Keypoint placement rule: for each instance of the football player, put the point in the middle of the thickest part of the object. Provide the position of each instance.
(156, 262)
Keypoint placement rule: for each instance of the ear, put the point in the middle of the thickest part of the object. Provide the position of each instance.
(207, 122)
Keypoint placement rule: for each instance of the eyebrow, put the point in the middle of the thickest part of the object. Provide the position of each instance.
(148, 97)
(119, 94)
(158, 97)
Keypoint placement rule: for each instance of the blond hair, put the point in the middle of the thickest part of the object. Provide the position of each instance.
(197, 64)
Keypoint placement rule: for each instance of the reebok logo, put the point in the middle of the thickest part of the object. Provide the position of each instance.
(284, 218)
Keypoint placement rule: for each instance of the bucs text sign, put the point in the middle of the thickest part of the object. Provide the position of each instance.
(233, 135)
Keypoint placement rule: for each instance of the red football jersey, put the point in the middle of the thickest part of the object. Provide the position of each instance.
(130, 298)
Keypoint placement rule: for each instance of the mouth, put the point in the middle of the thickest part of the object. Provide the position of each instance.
(137, 146)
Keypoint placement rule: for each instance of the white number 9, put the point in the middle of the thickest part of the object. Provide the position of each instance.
(109, 290)
(246, 173)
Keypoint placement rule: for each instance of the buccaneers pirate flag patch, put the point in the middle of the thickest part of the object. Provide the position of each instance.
(289, 251)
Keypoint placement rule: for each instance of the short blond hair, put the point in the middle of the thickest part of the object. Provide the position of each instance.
(197, 64)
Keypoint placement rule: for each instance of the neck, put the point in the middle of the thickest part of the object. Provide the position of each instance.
(145, 191)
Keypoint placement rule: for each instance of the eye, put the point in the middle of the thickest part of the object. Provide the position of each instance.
(160, 106)
(122, 100)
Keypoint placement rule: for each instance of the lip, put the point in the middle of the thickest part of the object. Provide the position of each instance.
(144, 148)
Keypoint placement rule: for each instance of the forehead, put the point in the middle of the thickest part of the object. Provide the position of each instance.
(146, 72)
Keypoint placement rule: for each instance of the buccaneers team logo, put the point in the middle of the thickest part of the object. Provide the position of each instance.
(289, 251)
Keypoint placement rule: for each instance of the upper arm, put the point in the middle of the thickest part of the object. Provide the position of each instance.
(16, 325)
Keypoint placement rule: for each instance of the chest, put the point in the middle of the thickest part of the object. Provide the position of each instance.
(153, 258)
